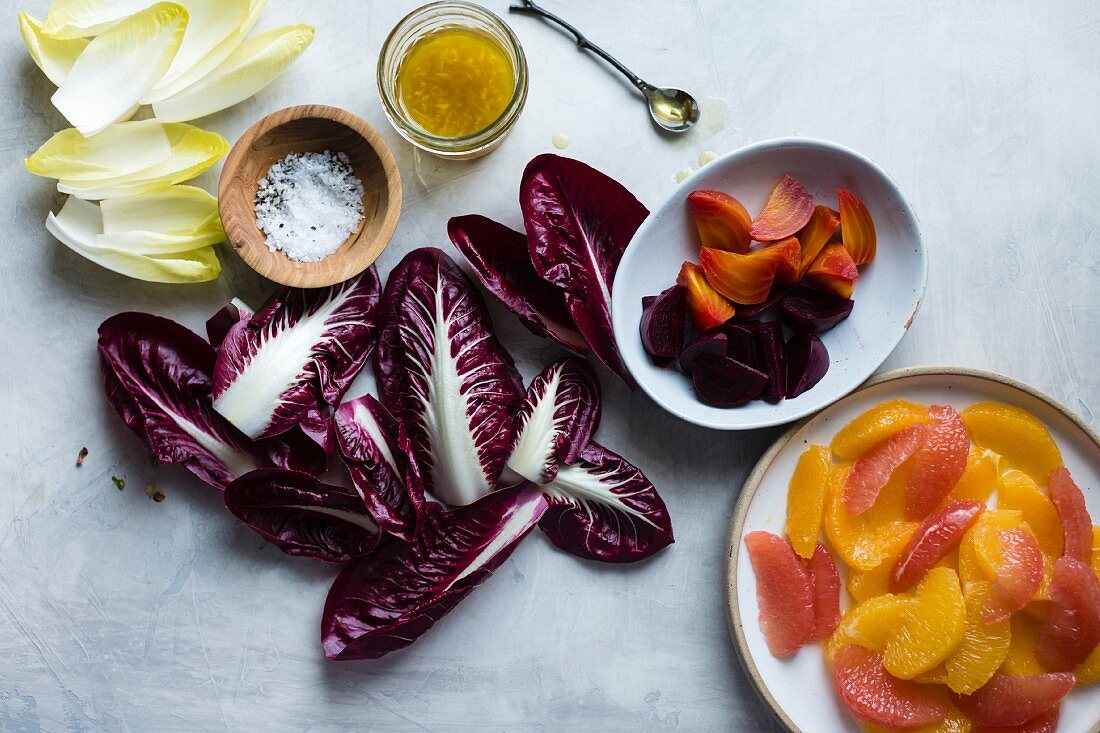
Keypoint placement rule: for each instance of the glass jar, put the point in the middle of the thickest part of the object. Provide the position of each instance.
(431, 18)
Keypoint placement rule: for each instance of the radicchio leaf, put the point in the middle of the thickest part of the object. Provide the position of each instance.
(604, 508)
(557, 419)
(299, 352)
(578, 223)
(445, 377)
(230, 314)
(302, 516)
(158, 377)
(500, 260)
(375, 450)
(388, 599)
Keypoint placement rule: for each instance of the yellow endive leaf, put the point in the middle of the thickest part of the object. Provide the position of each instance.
(165, 220)
(209, 24)
(120, 150)
(53, 56)
(86, 18)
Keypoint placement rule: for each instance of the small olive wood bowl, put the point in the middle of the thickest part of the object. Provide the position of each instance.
(310, 128)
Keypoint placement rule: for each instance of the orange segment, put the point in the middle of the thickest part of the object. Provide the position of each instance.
(1089, 671)
(1021, 659)
(876, 425)
(979, 478)
(864, 542)
(931, 629)
(806, 499)
(1017, 436)
(870, 624)
(872, 470)
(1018, 491)
(983, 647)
(1096, 549)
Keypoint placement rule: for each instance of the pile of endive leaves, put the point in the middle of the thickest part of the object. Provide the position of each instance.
(185, 59)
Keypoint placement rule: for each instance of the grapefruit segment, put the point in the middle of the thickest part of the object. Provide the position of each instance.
(875, 696)
(1045, 723)
(784, 593)
(826, 583)
(874, 468)
(1076, 522)
(1006, 700)
(1071, 630)
(933, 540)
(1018, 572)
(939, 464)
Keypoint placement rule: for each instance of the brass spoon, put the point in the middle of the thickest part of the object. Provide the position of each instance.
(673, 110)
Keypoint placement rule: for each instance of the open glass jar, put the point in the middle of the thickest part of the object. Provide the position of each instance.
(436, 18)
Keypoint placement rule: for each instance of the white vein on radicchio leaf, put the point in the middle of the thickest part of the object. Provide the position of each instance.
(388, 599)
(158, 376)
(557, 419)
(500, 261)
(445, 377)
(302, 516)
(375, 449)
(579, 222)
(297, 353)
(603, 508)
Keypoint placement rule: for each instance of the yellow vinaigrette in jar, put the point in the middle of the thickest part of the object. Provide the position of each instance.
(455, 81)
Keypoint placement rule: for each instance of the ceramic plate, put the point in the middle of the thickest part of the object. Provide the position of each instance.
(788, 685)
(887, 295)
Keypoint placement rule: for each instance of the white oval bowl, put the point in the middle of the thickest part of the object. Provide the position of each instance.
(887, 295)
(787, 684)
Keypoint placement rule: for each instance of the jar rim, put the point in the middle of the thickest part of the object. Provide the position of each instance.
(478, 140)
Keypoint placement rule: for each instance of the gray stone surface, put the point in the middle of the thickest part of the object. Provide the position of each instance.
(118, 614)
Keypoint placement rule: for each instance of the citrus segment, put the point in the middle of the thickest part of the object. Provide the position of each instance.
(1018, 571)
(876, 425)
(1020, 492)
(1071, 630)
(939, 464)
(931, 629)
(864, 542)
(1076, 522)
(866, 584)
(1020, 659)
(806, 499)
(932, 541)
(870, 624)
(955, 722)
(1018, 437)
(979, 478)
(1096, 549)
(1006, 700)
(826, 584)
(983, 647)
(873, 469)
(875, 696)
(784, 593)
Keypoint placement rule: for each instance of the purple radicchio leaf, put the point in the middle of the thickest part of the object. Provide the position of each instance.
(158, 377)
(375, 450)
(501, 261)
(445, 377)
(299, 352)
(556, 421)
(579, 222)
(228, 316)
(302, 516)
(390, 598)
(604, 508)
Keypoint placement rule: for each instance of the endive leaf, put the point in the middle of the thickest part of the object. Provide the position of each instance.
(117, 68)
(120, 150)
(53, 56)
(250, 68)
(77, 225)
(166, 210)
(85, 18)
(209, 23)
(192, 151)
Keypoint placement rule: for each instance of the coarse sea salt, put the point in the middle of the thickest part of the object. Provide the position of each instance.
(308, 204)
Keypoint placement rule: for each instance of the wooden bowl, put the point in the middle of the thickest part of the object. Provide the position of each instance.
(310, 128)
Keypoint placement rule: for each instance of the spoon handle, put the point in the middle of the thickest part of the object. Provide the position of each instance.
(529, 7)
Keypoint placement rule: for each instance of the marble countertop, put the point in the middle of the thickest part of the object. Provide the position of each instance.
(120, 614)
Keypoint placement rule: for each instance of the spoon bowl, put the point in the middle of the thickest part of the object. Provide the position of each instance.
(673, 110)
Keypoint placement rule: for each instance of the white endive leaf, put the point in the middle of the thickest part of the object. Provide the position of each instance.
(120, 150)
(85, 18)
(79, 222)
(53, 55)
(212, 60)
(165, 220)
(193, 150)
(117, 68)
(250, 68)
(209, 23)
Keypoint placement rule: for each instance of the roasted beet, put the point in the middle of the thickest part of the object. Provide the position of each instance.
(742, 344)
(807, 362)
(710, 342)
(813, 311)
(771, 359)
(724, 382)
(750, 312)
(663, 323)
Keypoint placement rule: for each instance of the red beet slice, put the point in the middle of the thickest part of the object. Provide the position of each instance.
(742, 344)
(1071, 630)
(933, 540)
(784, 593)
(772, 359)
(749, 312)
(663, 323)
(807, 362)
(710, 342)
(826, 582)
(875, 696)
(813, 311)
(1014, 700)
(723, 382)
